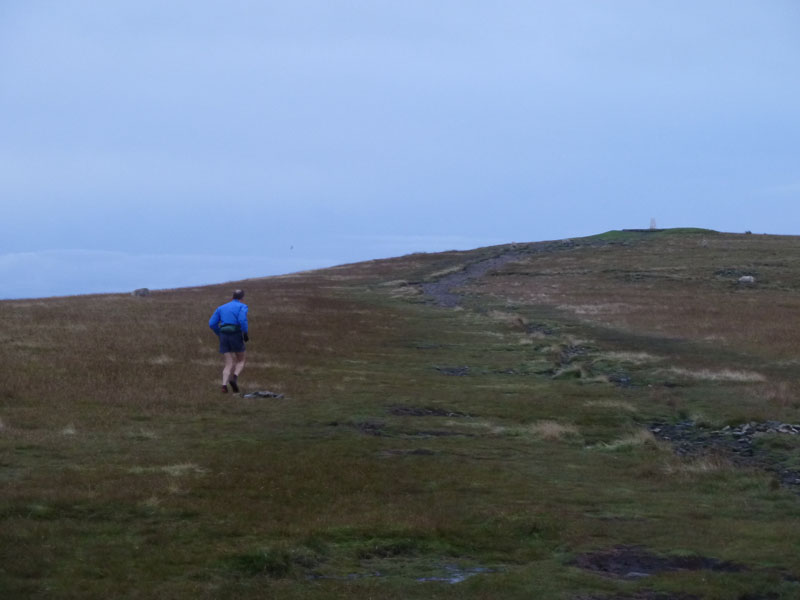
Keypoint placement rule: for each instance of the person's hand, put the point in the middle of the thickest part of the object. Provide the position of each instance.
(246, 337)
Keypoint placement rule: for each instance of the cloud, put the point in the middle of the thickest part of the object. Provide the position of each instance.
(788, 189)
(72, 272)
(146, 127)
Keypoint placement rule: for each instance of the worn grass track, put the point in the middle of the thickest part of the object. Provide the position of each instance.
(492, 450)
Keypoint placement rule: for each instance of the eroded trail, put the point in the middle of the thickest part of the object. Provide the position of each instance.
(442, 291)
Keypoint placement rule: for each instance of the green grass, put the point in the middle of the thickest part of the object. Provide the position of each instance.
(622, 235)
(126, 474)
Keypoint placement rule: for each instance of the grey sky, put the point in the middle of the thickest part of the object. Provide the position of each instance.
(315, 132)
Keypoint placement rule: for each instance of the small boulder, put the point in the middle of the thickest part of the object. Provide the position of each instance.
(747, 280)
(141, 292)
(263, 394)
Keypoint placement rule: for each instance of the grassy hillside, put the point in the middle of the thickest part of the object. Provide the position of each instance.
(510, 444)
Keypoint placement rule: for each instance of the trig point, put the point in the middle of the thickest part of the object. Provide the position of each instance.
(652, 224)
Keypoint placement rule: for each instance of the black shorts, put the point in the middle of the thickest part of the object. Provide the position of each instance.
(231, 342)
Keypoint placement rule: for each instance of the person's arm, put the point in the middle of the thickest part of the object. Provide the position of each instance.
(243, 323)
(243, 319)
(213, 322)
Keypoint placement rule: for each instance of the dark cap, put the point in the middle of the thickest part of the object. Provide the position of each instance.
(238, 294)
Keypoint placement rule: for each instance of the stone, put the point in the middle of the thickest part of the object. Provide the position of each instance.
(141, 292)
(262, 394)
(455, 371)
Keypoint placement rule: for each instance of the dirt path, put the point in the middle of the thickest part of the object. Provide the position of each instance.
(736, 443)
(442, 291)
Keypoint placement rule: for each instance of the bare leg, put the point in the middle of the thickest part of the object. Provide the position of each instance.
(240, 360)
(226, 371)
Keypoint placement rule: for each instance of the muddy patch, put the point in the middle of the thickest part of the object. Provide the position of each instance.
(428, 346)
(569, 353)
(539, 328)
(621, 379)
(367, 427)
(637, 562)
(454, 574)
(436, 433)
(454, 371)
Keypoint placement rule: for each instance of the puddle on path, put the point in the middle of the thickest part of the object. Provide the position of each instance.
(457, 575)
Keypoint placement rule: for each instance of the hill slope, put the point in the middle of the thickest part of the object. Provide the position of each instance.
(477, 424)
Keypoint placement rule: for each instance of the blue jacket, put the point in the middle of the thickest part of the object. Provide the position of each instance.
(232, 313)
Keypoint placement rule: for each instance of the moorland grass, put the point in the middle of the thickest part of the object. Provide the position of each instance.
(414, 442)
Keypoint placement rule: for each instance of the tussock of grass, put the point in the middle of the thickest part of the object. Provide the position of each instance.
(711, 463)
(142, 434)
(636, 358)
(508, 318)
(550, 430)
(606, 308)
(393, 284)
(783, 396)
(741, 376)
(179, 470)
(545, 429)
(151, 503)
(611, 404)
(445, 272)
(272, 562)
(408, 291)
(642, 437)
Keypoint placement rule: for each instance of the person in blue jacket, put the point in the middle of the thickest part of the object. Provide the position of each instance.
(229, 322)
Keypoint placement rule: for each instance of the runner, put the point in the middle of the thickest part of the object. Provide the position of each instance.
(229, 322)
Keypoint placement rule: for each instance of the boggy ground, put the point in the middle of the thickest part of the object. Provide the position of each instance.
(498, 447)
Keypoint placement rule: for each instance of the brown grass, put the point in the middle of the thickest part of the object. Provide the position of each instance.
(551, 430)
(640, 437)
(611, 404)
(700, 465)
(673, 287)
(125, 473)
(718, 375)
